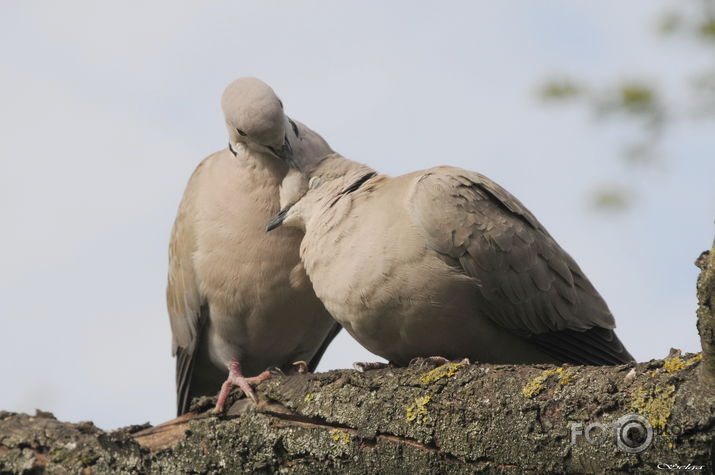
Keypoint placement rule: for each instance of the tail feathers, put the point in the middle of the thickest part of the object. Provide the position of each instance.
(184, 371)
(596, 346)
(313, 364)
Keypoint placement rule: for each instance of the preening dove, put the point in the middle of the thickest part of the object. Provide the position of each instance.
(444, 262)
(239, 301)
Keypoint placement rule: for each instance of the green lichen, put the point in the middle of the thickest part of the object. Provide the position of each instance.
(88, 459)
(58, 455)
(340, 436)
(538, 384)
(654, 403)
(309, 397)
(417, 411)
(447, 370)
(677, 363)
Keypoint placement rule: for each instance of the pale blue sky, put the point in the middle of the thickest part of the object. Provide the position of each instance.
(107, 108)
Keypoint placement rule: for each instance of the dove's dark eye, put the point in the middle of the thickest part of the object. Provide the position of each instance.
(241, 132)
(281, 103)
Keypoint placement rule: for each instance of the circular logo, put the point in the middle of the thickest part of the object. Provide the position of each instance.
(634, 433)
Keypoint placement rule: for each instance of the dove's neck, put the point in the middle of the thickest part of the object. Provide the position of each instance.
(262, 166)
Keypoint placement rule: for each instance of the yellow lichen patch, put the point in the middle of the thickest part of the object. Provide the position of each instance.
(676, 363)
(340, 436)
(654, 403)
(537, 385)
(565, 377)
(417, 411)
(309, 397)
(447, 370)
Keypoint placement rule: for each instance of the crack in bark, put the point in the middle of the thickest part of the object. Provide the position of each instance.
(478, 421)
(288, 419)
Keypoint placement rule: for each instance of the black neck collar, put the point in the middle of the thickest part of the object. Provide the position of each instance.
(353, 187)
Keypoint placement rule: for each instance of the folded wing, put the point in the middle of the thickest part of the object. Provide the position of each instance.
(527, 282)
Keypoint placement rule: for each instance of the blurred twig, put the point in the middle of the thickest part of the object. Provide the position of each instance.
(642, 102)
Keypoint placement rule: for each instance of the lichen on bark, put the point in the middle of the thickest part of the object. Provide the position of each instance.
(706, 313)
(455, 418)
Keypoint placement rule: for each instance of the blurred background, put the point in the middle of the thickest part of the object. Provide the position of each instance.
(597, 115)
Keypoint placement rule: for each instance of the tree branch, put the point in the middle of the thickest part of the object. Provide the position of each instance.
(451, 419)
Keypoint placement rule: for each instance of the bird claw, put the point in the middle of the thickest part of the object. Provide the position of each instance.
(235, 378)
(367, 366)
(425, 360)
(301, 367)
(297, 367)
(250, 394)
(276, 371)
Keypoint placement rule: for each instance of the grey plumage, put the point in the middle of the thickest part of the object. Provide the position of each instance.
(235, 294)
(446, 262)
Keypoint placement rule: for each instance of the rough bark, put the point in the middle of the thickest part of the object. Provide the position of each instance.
(449, 419)
(706, 313)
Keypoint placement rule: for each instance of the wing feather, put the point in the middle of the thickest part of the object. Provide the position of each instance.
(528, 283)
(184, 302)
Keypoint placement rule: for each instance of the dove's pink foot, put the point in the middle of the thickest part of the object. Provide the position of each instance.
(236, 378)
(434, 360)
(370, 365)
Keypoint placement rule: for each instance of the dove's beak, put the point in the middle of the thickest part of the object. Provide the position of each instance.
(285, 153)
(278, 219)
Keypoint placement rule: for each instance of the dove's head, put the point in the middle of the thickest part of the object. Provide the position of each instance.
(310, 193)
(255, 119)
